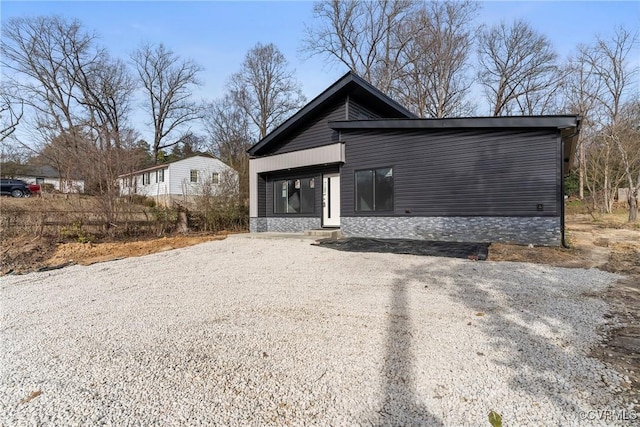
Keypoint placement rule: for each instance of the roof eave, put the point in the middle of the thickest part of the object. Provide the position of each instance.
(559, 122)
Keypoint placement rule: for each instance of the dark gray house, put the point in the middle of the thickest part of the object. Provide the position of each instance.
(355, 159)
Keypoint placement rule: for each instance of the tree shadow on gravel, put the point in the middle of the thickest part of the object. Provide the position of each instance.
(548, 367)
(401, 405)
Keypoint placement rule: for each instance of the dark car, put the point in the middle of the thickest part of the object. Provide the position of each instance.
(14, 187)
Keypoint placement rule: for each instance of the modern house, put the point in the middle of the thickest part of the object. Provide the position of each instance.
(355, 159)
(180, 180)
(43, 175)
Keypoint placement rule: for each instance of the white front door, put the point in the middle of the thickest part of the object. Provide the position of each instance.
(331, 200)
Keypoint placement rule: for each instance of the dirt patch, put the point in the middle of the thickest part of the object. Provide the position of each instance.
(89, 253)
(559, 257)
(25, 254)
(21, 255)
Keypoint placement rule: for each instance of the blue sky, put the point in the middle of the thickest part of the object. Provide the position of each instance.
(218, 34)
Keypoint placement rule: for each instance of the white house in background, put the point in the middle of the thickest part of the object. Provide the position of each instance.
(179, 180)
(42, 175)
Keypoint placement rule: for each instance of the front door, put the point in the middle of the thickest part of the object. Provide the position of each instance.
(331, 200)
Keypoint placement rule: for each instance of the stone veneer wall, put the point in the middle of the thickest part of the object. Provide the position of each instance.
(283, 225)
(543, 231)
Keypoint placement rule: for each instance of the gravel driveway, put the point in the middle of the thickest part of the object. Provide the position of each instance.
(276, 331)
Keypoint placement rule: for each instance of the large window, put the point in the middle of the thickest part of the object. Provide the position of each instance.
(374, 190)
(294, 196)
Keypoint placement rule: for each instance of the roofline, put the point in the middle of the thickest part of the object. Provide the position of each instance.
(149, 169)
(166, 165)
(559, 122)
(323, 97)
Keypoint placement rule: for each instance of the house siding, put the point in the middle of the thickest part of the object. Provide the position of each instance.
(316, 133)
(463, 173)
(177, 185)
(179, 174)
(357, 111)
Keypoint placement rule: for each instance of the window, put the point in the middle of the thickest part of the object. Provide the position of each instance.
(146, 178)
(215, 178)
(294, 196)
(374, 190)
(193, 175)
(160, 175)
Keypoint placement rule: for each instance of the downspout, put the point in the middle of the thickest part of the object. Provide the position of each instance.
(562, 226)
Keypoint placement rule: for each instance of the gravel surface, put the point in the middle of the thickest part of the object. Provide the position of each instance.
(252, 331)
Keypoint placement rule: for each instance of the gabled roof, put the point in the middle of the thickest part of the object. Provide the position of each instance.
(166, 164)
(36, 171)
(349, 84)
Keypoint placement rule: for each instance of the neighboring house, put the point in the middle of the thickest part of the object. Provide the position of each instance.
(355, 159)
(46, 175)
(179, 180)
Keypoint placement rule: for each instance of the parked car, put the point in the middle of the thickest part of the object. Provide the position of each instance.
(34, 189)
(14, 188)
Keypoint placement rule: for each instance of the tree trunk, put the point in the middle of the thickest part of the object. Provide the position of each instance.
(581, 169)
(633, 206)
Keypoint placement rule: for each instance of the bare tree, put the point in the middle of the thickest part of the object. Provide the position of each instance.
(229, 133)
(168, 83)
(433, 79)
(265, 88)
(366, 36)
(581, 91)
(517, 67)
(627, 140)
(78, 99)
(11, 111)
(609, 58)
(43, 52)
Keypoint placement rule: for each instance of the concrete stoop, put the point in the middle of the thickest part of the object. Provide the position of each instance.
(331, 233)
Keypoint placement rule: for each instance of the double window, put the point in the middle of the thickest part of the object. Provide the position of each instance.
(374, 190)
(294, 196)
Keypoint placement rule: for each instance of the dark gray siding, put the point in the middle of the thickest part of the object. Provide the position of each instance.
(357, 111)
(311, 172)
(315, 133)
(262, 196)
(459, 173)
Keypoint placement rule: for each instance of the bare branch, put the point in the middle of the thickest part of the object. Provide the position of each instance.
(168, 83)
(265, 88)
(517, 67)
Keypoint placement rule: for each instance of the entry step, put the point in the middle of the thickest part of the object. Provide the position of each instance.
(329, 233)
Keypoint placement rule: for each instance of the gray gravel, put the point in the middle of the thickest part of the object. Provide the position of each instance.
(275, 331)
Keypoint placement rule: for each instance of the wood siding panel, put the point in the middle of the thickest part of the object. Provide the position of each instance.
(459, 173)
